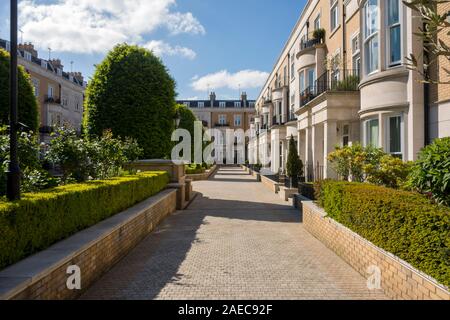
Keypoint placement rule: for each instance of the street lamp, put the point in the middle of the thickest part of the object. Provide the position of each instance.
(13, 174)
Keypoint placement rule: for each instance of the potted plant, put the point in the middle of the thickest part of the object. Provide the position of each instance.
(319, 35)
(294, 166)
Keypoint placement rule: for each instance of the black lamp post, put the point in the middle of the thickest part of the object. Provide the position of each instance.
(13, 174)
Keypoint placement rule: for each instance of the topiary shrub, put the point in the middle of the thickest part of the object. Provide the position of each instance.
(28, 111)
(401, 222)
(431, 172)
(133, 95)
(294, 166)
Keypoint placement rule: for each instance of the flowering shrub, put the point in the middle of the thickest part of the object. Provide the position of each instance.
(389, 172)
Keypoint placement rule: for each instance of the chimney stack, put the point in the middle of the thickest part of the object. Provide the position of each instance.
(78, 76)
(57, 64)
(244, 98)
(212, 96)
(28, 47)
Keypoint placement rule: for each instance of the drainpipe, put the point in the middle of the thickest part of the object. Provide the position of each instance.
(426, 97)
(344, 41)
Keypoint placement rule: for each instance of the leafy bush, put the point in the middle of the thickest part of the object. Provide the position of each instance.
(132, 94)
(319, 34)
(28, 110)
(33, 176)
(350, 83)
(94, 158)
(390, 172)
(294, 166)
(42, 219)
(355, 162)
(195, 169)
(431, 173)
(401, 222)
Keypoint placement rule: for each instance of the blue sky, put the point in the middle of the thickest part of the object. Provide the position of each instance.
(204, 43)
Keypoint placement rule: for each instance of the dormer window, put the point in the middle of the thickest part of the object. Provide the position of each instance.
(222, 104)
(27, 55)
(59, 72)
(201, 104)
(187, 104)
(237, 104)
(8, 46)
(44, 64)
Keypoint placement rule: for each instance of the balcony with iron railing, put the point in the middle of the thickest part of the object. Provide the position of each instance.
(335, 80)
(311, 40)
(52, 99)
(222, 125)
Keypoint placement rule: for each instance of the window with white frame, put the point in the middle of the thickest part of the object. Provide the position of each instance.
(44, 64)
(345, 135)
(293, 70)
(50, 92)
(222, 104)
(237, 104)
(311, 77)
(8, 46)
(222, 119)
(302, 81)
(237, 120)
(334, 14)
(251, 104)
(393, 33)
(201, 104)
(372, 132)
(371, 36)
(35, 86)
(395, 135)
(356, 56)
(317, 22)
(187, 104)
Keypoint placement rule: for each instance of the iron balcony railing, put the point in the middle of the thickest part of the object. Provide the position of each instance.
(335, 80)
(308, 43)
(51, 99)
(221, 125)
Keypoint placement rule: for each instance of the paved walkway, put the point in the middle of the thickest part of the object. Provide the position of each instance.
(236, 241)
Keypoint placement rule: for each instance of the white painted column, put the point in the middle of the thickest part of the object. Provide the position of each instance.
(330, 141)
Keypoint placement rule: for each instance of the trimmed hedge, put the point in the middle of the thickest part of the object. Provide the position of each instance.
(42, 219)
(403, 223)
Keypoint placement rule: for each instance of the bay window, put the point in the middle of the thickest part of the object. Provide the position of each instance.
(371, 36)
(372, 132)
(394, 136)
(393, 32)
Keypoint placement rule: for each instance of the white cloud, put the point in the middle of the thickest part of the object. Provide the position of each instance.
(246, 79)
(161, 48)
(95, 26)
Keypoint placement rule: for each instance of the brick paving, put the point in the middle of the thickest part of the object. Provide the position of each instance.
(237, 240)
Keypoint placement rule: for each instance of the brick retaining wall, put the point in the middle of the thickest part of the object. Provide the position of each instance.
(94, 250)
(399, 280)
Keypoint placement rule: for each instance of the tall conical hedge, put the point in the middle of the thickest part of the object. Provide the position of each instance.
(294, 166)
(132, 94)
(28, 110)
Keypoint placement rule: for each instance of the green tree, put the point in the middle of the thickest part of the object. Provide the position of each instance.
(133, 95)
(28, 107)
(294, 166)
(436, 28)
(187, 121)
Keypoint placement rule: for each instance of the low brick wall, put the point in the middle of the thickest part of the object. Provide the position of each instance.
(270, 184)
(94, 250)
(399, 280)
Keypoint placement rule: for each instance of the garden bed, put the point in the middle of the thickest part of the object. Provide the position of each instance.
(403, 223)
(44, 218)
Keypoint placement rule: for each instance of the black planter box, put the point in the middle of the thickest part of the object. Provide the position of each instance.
(306, 190)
